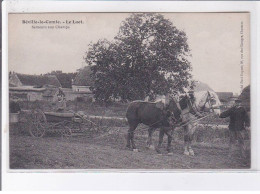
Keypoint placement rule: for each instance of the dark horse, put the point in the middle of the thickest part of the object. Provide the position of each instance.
(154, 115)
(167, 118)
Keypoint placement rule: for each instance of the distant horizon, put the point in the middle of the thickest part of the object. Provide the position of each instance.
(214, 39)
(234, 93)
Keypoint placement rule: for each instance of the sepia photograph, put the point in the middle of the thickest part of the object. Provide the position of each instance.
(129, 91)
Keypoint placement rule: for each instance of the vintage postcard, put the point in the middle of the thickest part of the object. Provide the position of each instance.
(129, 91)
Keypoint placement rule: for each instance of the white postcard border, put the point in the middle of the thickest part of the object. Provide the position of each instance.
(97, 179)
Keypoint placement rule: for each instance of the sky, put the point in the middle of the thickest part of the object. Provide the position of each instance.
(214, 39)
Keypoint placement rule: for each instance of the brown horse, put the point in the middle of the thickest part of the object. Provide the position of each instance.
(154, 115)
(187, 111)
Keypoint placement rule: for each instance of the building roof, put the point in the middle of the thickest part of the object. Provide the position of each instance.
(38, 80)
(83, 78)
(26, 89)
(65, 79)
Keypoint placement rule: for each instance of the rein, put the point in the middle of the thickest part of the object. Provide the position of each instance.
(203, 107)
(192, 121)
(155, 123)
(194, 106)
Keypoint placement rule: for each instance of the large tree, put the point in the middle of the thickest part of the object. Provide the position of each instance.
(148, 57)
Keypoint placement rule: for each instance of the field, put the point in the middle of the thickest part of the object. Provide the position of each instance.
(106, 149)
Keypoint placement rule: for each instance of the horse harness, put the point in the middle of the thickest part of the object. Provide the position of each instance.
(193, 109)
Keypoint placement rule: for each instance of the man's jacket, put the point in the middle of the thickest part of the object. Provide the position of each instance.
(238, 118)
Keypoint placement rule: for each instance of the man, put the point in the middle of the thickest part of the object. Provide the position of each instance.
(239, 120)
(60, 105)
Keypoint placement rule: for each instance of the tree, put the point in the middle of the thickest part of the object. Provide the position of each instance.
(148, 57)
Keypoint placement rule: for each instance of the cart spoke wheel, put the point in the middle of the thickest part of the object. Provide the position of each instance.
(38, 124)
(67, 132)
(67, 129)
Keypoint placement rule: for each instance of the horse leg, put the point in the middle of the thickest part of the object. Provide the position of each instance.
(186, 140)
(169, 133)
(128, 144)
(150, 141)
(188, 136)
(130, 136)
(158, 148)
(191, 134)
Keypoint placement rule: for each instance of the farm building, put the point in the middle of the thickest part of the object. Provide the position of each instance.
(26, 93)
(33, 87)
(65, 79)
(36, 81)
(225, 97)
(81, 86)
(83, 81)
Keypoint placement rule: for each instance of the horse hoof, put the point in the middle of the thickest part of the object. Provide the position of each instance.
(135, 150)
(186, 153)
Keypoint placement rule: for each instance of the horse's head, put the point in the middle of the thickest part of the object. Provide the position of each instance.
(207, 101)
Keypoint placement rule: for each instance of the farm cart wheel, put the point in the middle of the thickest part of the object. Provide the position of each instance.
(38, 124)
(67, 129)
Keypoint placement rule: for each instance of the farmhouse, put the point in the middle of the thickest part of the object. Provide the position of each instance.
(65, 79)
(83, 81)
(33, 87)
(35, 81)
(225, 96)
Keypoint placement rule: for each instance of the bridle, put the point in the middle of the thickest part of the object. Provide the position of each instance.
(192, 105)
(208, 100)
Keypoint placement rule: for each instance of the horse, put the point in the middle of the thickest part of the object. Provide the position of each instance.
(191, 106)
(153, 114)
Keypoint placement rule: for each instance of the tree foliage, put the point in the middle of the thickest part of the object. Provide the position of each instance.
(148, 57)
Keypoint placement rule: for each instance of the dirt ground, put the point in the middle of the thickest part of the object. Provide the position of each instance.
(107, 151)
